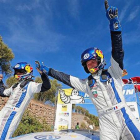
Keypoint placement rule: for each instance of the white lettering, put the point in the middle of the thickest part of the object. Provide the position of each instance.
(128, 92)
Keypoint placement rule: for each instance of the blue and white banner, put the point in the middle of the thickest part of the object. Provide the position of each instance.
(72, 96)
(131, 99)
(129, 93)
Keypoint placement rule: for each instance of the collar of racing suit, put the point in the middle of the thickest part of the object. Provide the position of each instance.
(97, 75)
(103, 75)
(22, 83)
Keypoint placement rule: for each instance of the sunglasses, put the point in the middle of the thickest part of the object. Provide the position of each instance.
(20, 71)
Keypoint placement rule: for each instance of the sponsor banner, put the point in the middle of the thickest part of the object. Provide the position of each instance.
(63, 117)
(64, 114)
(67, 97)
(64, 108)
(62, 127)
(72, 96)
(65, 93)
(64, 111)
(129, 93)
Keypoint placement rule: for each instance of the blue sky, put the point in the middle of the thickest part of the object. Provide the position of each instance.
(58, 31)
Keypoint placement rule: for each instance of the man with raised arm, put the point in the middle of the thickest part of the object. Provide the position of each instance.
(20, 95)
(104, 87)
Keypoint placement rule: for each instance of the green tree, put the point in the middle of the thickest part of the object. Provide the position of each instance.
(47, 95)
(6, 55)
(86, 112)
(83, 110)
(80, 110)
(10, 81)
(38, 80)
(91, 119)
(30, 124)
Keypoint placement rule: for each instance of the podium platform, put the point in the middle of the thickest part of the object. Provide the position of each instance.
(62, 135)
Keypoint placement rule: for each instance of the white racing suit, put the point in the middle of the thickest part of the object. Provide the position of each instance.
(116, 121)
(20, 96)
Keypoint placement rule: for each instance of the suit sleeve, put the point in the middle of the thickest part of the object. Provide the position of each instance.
(46, 82)
(117, 54)
(41, 87)
(69, 80)
(2, 88)
(4, 92)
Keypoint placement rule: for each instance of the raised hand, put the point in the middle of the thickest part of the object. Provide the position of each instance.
(41, 68)
(112, 15)
(38, 67)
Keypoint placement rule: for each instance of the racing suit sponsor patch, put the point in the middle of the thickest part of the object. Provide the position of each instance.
(95, 94)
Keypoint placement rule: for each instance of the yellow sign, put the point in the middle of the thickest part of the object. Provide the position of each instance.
(64, 108)
(67, 92)
(62, 127)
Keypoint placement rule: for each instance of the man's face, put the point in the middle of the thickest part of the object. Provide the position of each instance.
(92, 64)
(18, 73)
(1, 77)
